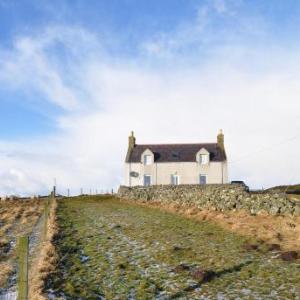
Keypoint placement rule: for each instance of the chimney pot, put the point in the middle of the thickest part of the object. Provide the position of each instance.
(131, 144)
(220, 140)
(131, 140)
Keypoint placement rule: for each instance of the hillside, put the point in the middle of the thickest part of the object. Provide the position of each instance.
(111, 249)
(289, 189)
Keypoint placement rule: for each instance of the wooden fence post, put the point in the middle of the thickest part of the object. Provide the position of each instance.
(46, 215)
(23, 243)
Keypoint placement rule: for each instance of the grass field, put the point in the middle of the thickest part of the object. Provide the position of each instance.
(114, 250)
(285, 188)
(16, 218)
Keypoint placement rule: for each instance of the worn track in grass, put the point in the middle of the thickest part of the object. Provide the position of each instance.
(17, 218)
(114, 250)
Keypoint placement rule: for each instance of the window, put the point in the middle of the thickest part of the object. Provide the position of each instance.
(202, 179)
(203, 159)
(147, 159)
(174, 179)
(147, 180)
(175, 155)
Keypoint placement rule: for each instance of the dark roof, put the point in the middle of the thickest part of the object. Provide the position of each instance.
(177, 152)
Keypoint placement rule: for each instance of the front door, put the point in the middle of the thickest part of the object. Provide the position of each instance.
(202, 179)
(175, 179)
(147, 180)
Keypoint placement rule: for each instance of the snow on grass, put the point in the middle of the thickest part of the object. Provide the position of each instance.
(113, 250)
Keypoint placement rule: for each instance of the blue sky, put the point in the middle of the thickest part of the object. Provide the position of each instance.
(77, 76)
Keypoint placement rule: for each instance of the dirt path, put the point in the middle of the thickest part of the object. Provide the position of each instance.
(34, 240)
(19, 218)
(113, 250)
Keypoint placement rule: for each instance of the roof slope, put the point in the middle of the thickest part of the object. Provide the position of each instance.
(177, 152)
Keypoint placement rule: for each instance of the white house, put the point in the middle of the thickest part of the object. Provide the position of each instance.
(203, 163)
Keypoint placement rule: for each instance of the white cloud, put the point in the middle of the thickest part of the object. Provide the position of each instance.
(220, 6)
(216, 24)
(104, 100)
(35, 64)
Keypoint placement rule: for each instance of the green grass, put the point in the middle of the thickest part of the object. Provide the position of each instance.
(125, 251)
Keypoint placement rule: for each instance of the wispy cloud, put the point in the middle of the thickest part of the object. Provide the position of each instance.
(46, 63)
(218, 22)
(220, 6)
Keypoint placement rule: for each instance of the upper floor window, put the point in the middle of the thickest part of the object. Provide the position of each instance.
(175, 155)
(147, 159)
(204, 159)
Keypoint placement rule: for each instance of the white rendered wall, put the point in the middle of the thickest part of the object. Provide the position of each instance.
(188, 172)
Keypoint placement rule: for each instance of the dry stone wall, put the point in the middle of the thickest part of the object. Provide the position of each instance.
(218, 197)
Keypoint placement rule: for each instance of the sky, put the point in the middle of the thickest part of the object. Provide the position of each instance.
(77, 76)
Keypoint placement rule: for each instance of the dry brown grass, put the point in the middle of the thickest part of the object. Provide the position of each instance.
(282, 230)
(46, 259)
(6, 269)
(4, 241)
(5, 228)
(16, 212)
(16, 218)
(294, 197)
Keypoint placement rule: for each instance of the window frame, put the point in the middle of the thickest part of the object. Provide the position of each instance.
(205, 176)
(206, 159)
(150, 162)
(177, 181)
(150, 182)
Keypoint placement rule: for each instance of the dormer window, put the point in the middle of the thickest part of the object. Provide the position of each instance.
(175, 155)
(203, 159)
(147, 159)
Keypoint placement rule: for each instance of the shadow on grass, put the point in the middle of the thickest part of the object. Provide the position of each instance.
(211, 276)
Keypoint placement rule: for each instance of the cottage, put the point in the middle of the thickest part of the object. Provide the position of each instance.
(203, 163)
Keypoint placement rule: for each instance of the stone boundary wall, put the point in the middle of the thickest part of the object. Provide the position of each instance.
(218, 197)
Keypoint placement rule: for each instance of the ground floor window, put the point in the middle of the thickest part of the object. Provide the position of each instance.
(175, 179)
(147, 180)
(202, 178)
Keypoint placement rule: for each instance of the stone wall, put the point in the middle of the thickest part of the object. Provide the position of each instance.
(218, 197)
